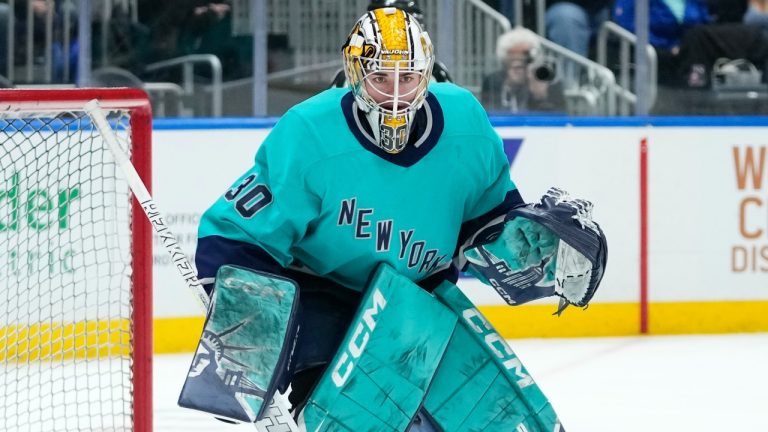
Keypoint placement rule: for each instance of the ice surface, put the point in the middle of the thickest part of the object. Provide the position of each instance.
(629, 384)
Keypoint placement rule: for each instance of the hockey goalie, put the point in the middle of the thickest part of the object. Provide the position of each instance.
(332, 262)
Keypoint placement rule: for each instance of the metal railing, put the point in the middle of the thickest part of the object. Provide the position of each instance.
(187, 64)
(48, 62)
(589, 87)
(627, 40)
(475, 29)
(540, 8)
(317, 29)
(167, 99)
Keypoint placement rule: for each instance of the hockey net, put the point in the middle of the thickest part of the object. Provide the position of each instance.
(75, 265)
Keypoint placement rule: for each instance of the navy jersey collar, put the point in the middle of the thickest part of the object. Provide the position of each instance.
(428, 121)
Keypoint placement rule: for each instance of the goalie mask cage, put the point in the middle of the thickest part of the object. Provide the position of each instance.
(75, 265)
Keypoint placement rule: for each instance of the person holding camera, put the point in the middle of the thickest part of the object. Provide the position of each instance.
(526, 82)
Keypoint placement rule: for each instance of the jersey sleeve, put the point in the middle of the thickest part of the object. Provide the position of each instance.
(266, 211)
(495, 197)
(497, 184)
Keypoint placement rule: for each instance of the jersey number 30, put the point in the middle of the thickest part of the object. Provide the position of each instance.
(249, 199)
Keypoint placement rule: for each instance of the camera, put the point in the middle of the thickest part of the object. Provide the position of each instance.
(545, 71)
(542, 65)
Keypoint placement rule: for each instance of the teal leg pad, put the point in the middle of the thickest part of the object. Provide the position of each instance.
(245, 344)
(379, 377)
(481, 385)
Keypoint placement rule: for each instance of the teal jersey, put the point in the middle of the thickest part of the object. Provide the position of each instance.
(324, 199)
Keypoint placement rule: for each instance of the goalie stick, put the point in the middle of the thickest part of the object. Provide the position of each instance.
(277, 413)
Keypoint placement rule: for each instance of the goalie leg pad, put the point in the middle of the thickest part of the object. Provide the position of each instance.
(481, 384)
(245, 347)
(377, 380)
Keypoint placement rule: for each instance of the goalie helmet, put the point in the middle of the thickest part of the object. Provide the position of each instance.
(409, 6)
(388, 60)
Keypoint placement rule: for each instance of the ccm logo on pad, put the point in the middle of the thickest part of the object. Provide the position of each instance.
(359, 340)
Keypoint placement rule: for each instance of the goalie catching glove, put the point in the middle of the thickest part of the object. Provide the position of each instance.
(549, 248)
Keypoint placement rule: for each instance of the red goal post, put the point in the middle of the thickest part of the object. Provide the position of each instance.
(75, 263)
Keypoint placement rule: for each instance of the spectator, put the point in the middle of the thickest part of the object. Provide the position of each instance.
(703, 46)
(757, 15)
(516, 87)
(185, 27)
(207, 29)
(689, 39)
(205, 26)
(726, 11)
(163, 20)
(40, 11)
(668, 20)
(574, 23)
(126, 43)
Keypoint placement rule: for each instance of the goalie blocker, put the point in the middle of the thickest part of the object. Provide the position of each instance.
(549, 248)
(245, 347)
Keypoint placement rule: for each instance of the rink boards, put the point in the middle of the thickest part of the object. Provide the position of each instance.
(686, 218)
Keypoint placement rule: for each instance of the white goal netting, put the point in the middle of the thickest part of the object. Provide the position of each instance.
(66, 286)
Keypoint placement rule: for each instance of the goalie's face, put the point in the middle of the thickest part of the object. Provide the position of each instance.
(393, 92)
(388, 62)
